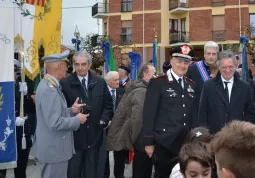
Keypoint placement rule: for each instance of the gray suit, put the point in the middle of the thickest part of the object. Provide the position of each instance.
(53, 144)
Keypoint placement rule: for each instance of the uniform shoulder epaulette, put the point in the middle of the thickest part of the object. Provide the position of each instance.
(189, 80)
(159, 76)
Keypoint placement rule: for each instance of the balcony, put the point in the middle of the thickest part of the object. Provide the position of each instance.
(126, 6)
(251, 1)
(179, 37)
(100, 10)
(218, 35)
(216, 3)
(126, 39)
(178, 6)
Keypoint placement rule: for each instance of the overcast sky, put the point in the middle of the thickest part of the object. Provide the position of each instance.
(80, 17)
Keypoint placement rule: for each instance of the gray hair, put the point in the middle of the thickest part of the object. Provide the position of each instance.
(211, 44)
(110, 74)
(144, 70)
(226, 54)
(83, 53)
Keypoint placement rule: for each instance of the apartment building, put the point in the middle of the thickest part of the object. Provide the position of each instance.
(132, 23)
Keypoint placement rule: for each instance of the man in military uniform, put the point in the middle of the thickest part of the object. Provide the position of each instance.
(53, 144)
(168, 113)
(123, 73)
(203, 70)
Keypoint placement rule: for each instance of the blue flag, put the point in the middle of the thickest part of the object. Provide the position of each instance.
(244, 40)
(155, 54)
(8, 155)
(135, 64)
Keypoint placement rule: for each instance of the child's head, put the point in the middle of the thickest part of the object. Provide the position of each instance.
(196, 159)
(199, 134)
(234, 148)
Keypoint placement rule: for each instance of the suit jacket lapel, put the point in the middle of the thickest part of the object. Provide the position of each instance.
(118, 96)
(234, 93)
(220, 91)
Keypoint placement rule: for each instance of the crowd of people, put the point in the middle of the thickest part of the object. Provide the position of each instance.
(193, 121)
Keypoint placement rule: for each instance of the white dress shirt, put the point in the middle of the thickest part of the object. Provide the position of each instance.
(110, 90)
(86, 79)
(230, 85)
(177, 78)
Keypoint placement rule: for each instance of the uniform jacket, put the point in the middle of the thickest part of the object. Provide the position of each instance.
(53, 137)
(215, 112)
(194, 74)
(100, 102)
(122, 85)
(168, 112)
(127, 121)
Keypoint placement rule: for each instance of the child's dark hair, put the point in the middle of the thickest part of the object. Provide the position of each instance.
(200, 134)
(196, 151)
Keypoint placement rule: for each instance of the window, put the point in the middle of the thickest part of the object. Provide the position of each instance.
(183, 25)
(126, 5)
(218, 27)
(252, 24)
(173, 25)
(105, 28)
(126, 32)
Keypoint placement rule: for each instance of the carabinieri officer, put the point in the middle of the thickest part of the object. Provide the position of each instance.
(168, 113)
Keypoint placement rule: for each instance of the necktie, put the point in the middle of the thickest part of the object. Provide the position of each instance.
(113, 99)
(226, 91)
(83, 82)
(180, 82)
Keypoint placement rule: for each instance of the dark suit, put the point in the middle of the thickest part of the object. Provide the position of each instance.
(215, 112)
(88, 138)
(118, 166)
(168, 116)
(194, 74)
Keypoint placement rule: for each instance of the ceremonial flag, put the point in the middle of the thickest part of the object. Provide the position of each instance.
(244, 40)
(8, 154)
(135, 64)
(37, 23)
(108, 55)
(27, 36)
(155, 54)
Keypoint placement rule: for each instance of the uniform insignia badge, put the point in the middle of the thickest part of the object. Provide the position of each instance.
(190, 89)
(185, 50)
(169, 76)
(50, 85)
(191, 95)
(170, 90)
(173, 94)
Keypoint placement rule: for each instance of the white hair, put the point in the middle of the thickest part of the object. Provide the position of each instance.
(83, 53)
(211, 44)
(110, 74)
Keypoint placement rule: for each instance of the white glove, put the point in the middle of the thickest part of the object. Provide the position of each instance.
(20, 121)
(23, 87)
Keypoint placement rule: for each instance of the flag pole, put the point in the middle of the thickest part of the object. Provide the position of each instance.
(21, 111)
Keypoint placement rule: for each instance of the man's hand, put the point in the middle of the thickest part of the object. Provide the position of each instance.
(82, 117)
(104, 124)
(20, 121)
(76, 108)
(149, 150)
(33, 98)
(23, 87)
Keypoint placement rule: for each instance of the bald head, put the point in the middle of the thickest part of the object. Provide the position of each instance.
(112, 79)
